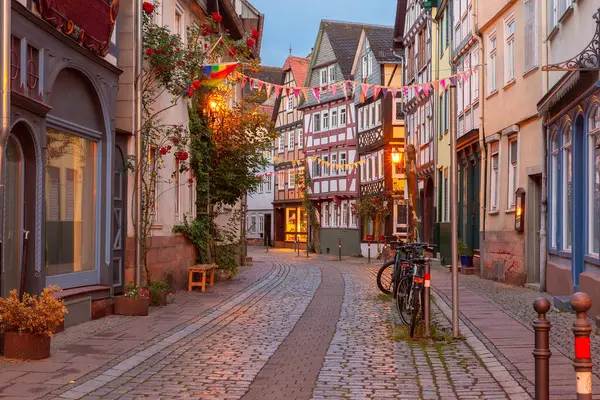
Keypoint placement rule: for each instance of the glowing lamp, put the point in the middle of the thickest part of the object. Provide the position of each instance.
(396, 156)
(213, 105)
(520, 210)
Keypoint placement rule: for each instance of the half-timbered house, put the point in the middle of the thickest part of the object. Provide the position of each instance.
(329, 125)
(380, 131)
(290, 217)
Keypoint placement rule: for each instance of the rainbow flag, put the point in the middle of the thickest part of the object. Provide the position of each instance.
(216, 73)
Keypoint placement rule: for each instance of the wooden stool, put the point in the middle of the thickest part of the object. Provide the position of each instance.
(201, 269)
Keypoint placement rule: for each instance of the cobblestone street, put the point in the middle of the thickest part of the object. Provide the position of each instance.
(285, 328)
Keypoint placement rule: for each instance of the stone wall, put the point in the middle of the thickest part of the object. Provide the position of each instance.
(506, 247)
(168, 260)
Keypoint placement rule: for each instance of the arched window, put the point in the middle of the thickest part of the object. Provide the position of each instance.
(567, 188)
(554, 149)
(594, 181)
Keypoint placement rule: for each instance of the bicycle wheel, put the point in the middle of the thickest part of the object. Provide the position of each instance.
(402, 295)
(384, 277)
(416, 308)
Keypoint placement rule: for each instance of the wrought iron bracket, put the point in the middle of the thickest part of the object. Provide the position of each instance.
(587, 60)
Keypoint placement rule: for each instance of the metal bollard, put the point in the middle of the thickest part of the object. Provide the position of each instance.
(298, 247)
(426, 295)
(369, 252)
(340, 248)
(581, 303)
(541, 351)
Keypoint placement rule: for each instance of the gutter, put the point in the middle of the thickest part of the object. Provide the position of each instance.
(483, 173)
(4, 105)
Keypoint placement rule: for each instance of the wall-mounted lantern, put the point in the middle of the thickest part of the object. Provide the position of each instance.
(520, 210)
(396, 156)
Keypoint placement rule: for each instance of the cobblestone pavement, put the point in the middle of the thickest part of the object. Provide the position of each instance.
(299, 329)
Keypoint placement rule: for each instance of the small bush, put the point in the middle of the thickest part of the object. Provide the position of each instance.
(39, 315)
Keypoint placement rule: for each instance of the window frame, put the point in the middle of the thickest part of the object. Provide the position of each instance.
(593, 161)
(509, 49)
(492, 67)
(342, 113)
(513, 173)
(291, 140)
(566, 167)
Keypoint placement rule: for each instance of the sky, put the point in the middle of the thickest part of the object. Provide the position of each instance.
(295, 23)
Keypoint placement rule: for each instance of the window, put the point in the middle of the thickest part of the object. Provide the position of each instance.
(290, 103)
(594, 181)
(353, 213)
(331, 73)
(323, 76)
(281, 142)
(178, 22)
(567, 189)
(344, 214)
(494, 177)
(253, 224)
(343, 163)
(361, 119)
(531, 35)
(509, 50)
(325, 120)
(513, 173)
(316, 122)
(281, 180)
(372, 110)
(291, 178)
(325, 165)
(492, 63)
(268, 179)
(399, 112)
(316, 170)
(554, 189)
(261, 223)
(325, 214)
(291, 140)
(70, 203)
(334, 118)
(334, 169)
(300, 138)
(378, 113)
(342, 116)
(365, 67)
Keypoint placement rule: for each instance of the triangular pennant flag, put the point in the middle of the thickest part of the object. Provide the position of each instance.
(376, 90)
(278, 90)
(317, 93)
(384, 90)
(296, 92)
(452, 80)
(405, 91)
(304, 92)
(426, 89)
(416, 89)
(260, 85)
(365, 90)
(287, 91)
(443, 83)
(333, 89)
(394, 92)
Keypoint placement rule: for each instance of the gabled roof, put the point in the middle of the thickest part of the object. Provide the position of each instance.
(381, 40)
(399, 24)
(298, 66)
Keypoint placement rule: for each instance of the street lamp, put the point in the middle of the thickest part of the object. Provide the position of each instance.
(396, 156)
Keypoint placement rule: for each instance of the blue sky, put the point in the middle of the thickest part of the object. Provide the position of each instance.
(295, 22)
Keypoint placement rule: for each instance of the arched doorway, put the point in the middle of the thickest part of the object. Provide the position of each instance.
(20, 205)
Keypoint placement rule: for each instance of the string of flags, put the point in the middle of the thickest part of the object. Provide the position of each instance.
(322, 162)
(349, 87)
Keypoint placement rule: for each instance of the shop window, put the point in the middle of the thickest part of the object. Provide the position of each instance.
(296, 224)
(567, 189)
(594, 181)
(554, 189)
(70, 203)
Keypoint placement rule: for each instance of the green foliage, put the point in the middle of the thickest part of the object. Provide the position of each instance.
(226, 257)
(157, 288)
(198, 232)
(463, 249)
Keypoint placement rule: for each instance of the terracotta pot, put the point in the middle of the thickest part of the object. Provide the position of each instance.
(1, 341)
(26, 346)
(131, 306)
(222, 274)
(161, 299)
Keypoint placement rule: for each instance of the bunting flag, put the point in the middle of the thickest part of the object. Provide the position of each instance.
(376, 90)
(385, 92)
(426, 89)
(345, 88)
(394, 93)
(260, 85)
(333, 89)
(317, 93)
(305, 92)
(452, 80)
(269, 89)
(416, 88)
(278, 91)
(436, 86)
(443, 83)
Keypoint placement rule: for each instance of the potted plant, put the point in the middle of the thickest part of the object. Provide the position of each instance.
(30, 323)
(159, 291)
(135, 301)
(465, 253)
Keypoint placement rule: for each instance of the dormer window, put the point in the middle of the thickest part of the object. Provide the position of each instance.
(327, 75)
(323, 75)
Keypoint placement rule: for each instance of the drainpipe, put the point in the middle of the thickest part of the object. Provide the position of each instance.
(137, 129)
(483, 172)
(436, 136)
(543, 214)
(4, 102)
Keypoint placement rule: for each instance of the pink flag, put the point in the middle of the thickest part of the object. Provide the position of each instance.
(443, 83)
(405, 91)
(260, 85)
(384, 90)
(416, 88)
(317, 93)
(333, 89)
(436, 86)
(476, 68)
(277, 90)
(426, 89)
(345, 89)
(365, 90)
(296, 92)
(376, 90)
(394, 92)
(287, 91)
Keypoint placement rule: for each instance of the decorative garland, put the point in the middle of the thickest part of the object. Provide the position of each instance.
(298, 163)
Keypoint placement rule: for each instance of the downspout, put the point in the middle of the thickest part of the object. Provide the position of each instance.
(137, 129)
(436, 137)
(483, 172)
(4, 107)
(544, 205)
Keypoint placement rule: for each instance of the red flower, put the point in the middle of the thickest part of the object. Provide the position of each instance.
(232, 52)
(181, 62)
(182, 155)
(175, 139)
(163, 151)
(171, 52)
(190, 55)
(217, 17)
(169, 147)
(206, 31)
(190, 180)
(255, 34)
(149, 51)
(250, 42)
(148, 7)
(160, 69)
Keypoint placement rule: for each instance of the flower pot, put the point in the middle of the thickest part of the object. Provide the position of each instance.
(466, 261)
(222, 274)
(26, 346)
(131, 306)
(160, 298)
